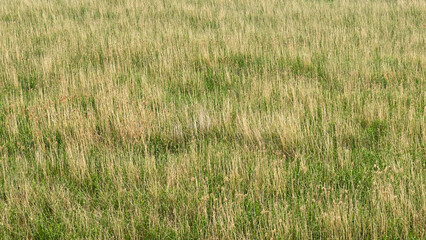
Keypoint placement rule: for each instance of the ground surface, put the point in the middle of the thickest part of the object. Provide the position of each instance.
(216, 119)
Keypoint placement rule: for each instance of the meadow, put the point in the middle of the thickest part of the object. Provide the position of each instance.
(212, 119)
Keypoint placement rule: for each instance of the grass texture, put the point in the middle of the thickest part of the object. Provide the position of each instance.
(212, 119)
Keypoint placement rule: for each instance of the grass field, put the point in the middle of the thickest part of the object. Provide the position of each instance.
(212, 119)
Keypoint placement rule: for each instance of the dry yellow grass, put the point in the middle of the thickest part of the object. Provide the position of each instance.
(217, 119)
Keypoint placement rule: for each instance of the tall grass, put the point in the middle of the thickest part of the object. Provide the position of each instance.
(216, 119)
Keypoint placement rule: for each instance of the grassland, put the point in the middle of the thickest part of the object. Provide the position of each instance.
(216, 119)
